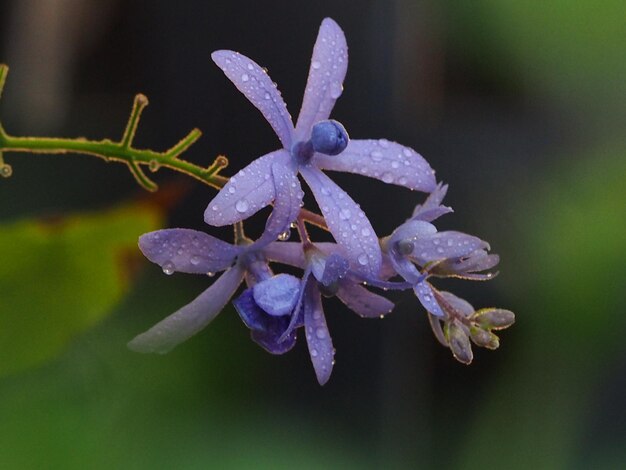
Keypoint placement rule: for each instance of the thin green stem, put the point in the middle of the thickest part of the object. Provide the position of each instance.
(121, 151)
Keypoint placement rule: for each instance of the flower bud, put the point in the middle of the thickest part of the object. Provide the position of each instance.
(484, 338)
(494, 318)
(329, 137)
(459, 342)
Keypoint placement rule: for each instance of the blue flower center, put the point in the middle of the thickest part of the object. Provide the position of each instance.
(327, 137)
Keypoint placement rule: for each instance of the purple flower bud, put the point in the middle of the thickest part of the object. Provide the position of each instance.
(494, 318)
(484, 338)
(329, 137)
(459, 342)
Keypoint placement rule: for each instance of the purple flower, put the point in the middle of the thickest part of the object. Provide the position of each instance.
(315, 144)
(327, 273)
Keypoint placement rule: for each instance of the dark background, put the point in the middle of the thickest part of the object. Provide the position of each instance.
(519, 106)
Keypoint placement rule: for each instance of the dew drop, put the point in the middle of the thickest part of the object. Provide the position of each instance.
(6, 171)
(376, 155)
(387, 177)
(344, 214)
(362, 259)
(284, 235)
(313, 352)
(245, 77)
(242, 205)
(395, 164)
(325, 191)
(402, 180)
(315, 64)
(320, 333)
(366, 232)
(250, 67)
(267, 96)
(195, 260)
(153, 166)
(407, 152)
(231, 189)
(336, 89)
(168, 268)
(384, 143)
(439, 250)
(210, 274)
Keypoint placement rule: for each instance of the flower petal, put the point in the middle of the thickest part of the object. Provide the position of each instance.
(190, 319)
(432, 209)
(288, 196)
(254, 82)
(290, 253)
(360, 300)
(317, 336)
(278, 295)
(335, 268)
(346, 221)
(329, 64)
(384, 160)
(443, 245)
(426, 296)
(187, 251)
(457, 303)
(249, 191)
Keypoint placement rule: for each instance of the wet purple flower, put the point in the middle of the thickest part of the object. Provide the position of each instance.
(315, 144)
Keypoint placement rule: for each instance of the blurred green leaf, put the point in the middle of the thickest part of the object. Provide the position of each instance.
(60, 277)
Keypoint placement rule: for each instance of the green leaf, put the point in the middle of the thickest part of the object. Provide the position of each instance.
(61, 277)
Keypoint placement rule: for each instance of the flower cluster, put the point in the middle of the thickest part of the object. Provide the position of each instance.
(274, 306)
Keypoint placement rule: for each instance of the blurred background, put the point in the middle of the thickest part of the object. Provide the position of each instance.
(519, 105)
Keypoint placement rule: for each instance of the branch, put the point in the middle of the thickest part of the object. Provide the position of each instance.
(121, 151)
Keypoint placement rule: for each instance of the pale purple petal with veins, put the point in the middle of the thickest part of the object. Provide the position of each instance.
(257, 86)
(317, 336)
(444, 245)
(249, 191)
(190, 319)
(384, 160)
(427, 298)
(289, 253)
(326, 73)
(287, 202)
(347, 222)
(362, 301)
(187, 251)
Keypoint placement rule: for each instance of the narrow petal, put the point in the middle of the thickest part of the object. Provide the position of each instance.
(246, 193)
(444, 245)
(254, 82)
(347, 222)
(426, 296)
(384, 160)
(297, 315)
(329, 64)
(335, 268)
(190, 319)
(288, 196)
(460, 305)
(317, 336)
(187, 251)
(365, 303)
(290, 253)
(432, 209)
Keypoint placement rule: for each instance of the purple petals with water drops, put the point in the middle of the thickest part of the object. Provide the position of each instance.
(317, 336)
(335, 269)
(266, 329)
(190, 319)
(444, 245)
(432, 209)
(257, 86)
(461, 307)
(289, 253)
(426, 296)
(249, 191)
(363, 302)
(384, 160)
(187, 251)
(469, 267)
(347, 222)
(277, 295)
(329, 64)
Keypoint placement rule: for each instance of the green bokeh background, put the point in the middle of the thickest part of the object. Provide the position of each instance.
(520, 106)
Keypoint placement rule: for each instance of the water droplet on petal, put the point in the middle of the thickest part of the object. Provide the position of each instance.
(384, 143)
(195, 260)
(366, 232)
(376, 155)
(168, 268)
(387, 177)
(344, 214)
(320, 333)
(402, 180)
(242, 205)
(407, 152)
(210, 274)
(336, 89)
(315, 64)
(313, 352)
(245, 77)
(325, 191)
(395, 164)
(362, 259)
(284, 235)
